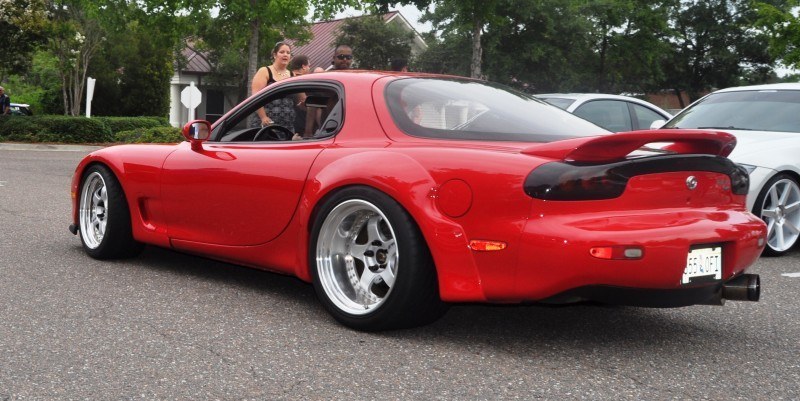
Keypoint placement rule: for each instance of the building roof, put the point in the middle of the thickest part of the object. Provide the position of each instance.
(196, 61)
(323, 36)
(319, 49)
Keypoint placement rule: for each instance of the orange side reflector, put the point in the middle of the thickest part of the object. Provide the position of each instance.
(485, 245)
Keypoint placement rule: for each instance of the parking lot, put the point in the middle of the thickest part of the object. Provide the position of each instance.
(172, 326)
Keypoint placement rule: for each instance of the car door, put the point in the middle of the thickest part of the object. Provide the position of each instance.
(236, 191)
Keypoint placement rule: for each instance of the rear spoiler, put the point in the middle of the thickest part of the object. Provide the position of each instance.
(612, 147)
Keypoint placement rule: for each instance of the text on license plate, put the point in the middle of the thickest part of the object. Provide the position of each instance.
(703, 264)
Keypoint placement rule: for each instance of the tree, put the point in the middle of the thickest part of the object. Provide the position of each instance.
(444, 55)
(74, 37)
(778, 20)
(374, 41)
(21, 27)
(714, 44)
(628, 38)
(457, 17)
(540, 46)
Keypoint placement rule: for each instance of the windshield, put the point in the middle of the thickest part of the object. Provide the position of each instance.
(476, 110)
(766, 110)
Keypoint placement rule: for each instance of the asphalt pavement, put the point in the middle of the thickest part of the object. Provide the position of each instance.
(172, 326)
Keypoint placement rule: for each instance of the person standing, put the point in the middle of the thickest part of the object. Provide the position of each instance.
(5, 102)
(280, 111)
(342, 58)
(300, 66)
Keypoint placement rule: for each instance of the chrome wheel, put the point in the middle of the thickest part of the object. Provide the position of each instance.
(93, 213)
(357, 257)
(780, 209)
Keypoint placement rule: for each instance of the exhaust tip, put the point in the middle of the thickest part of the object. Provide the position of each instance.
(745, 287)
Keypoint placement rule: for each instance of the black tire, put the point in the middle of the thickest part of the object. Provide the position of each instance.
(782, 221)
(104, 219)
(361, 235)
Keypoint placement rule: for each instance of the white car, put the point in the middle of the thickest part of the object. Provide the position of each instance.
(615, 113)
(766, 122)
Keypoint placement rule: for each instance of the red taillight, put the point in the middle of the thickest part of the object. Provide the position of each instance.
(617, 252)
(571, 181)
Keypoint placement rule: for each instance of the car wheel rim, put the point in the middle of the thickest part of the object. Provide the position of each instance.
(357, 257)
(93, 212)
(781, 212)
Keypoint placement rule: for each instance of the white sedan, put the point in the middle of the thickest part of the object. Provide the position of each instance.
(615, 113)
(766, 122)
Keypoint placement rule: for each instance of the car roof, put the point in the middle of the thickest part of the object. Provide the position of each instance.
(583, 97)
(587, 96)
(779, 86)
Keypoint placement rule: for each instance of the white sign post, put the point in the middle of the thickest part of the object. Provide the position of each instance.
(89, 95)
(191, 98)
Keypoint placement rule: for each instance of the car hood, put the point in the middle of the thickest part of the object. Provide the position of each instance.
(764, 148)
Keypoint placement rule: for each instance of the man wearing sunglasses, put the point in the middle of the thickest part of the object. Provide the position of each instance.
(342, 58)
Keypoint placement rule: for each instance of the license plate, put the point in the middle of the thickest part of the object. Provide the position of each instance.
(703, 264)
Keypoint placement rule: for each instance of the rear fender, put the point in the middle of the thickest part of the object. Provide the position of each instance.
(455, 266)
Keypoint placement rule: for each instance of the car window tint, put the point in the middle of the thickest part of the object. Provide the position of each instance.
(308, 112)
(477, 110)
(645, 116)
(612, 115)
(769, 110)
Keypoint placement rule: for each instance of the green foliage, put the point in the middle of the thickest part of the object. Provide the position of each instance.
(374, 42)
(780, 21)
(133, 71)
(21, 27)
(150, 135)
(444, 55)
(40, 87)
(66, 129)
(119, 124)
(58, 129)
(714, 44)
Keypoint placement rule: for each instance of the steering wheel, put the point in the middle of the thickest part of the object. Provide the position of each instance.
(274, 132)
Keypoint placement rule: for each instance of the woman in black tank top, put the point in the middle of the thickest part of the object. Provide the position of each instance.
(279, 111)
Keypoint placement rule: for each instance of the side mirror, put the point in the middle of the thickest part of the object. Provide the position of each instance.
(657, 124)
(197, 132)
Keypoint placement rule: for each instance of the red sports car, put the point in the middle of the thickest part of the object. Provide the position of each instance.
(396, 194)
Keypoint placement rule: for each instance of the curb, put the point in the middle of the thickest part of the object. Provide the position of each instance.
(42, 147)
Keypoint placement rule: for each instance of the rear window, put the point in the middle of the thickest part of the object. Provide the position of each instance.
(476, 110)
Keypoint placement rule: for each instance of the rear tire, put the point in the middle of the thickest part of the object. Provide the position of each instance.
(371, 267)
(104, 219)
(778, 205)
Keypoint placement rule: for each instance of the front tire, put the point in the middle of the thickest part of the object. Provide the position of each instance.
(778, 205)
(371, 267)
(104, 219)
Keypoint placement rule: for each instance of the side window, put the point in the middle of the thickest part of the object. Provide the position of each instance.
(610, 114)
(293, 114)
(645, 116)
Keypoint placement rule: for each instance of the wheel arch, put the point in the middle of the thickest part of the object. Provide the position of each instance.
(455, 268)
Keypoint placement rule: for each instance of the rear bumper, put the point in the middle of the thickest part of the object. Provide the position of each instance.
(557, 264)
(745, 287)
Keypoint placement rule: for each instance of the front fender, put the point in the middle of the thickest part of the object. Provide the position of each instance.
(138, 169)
